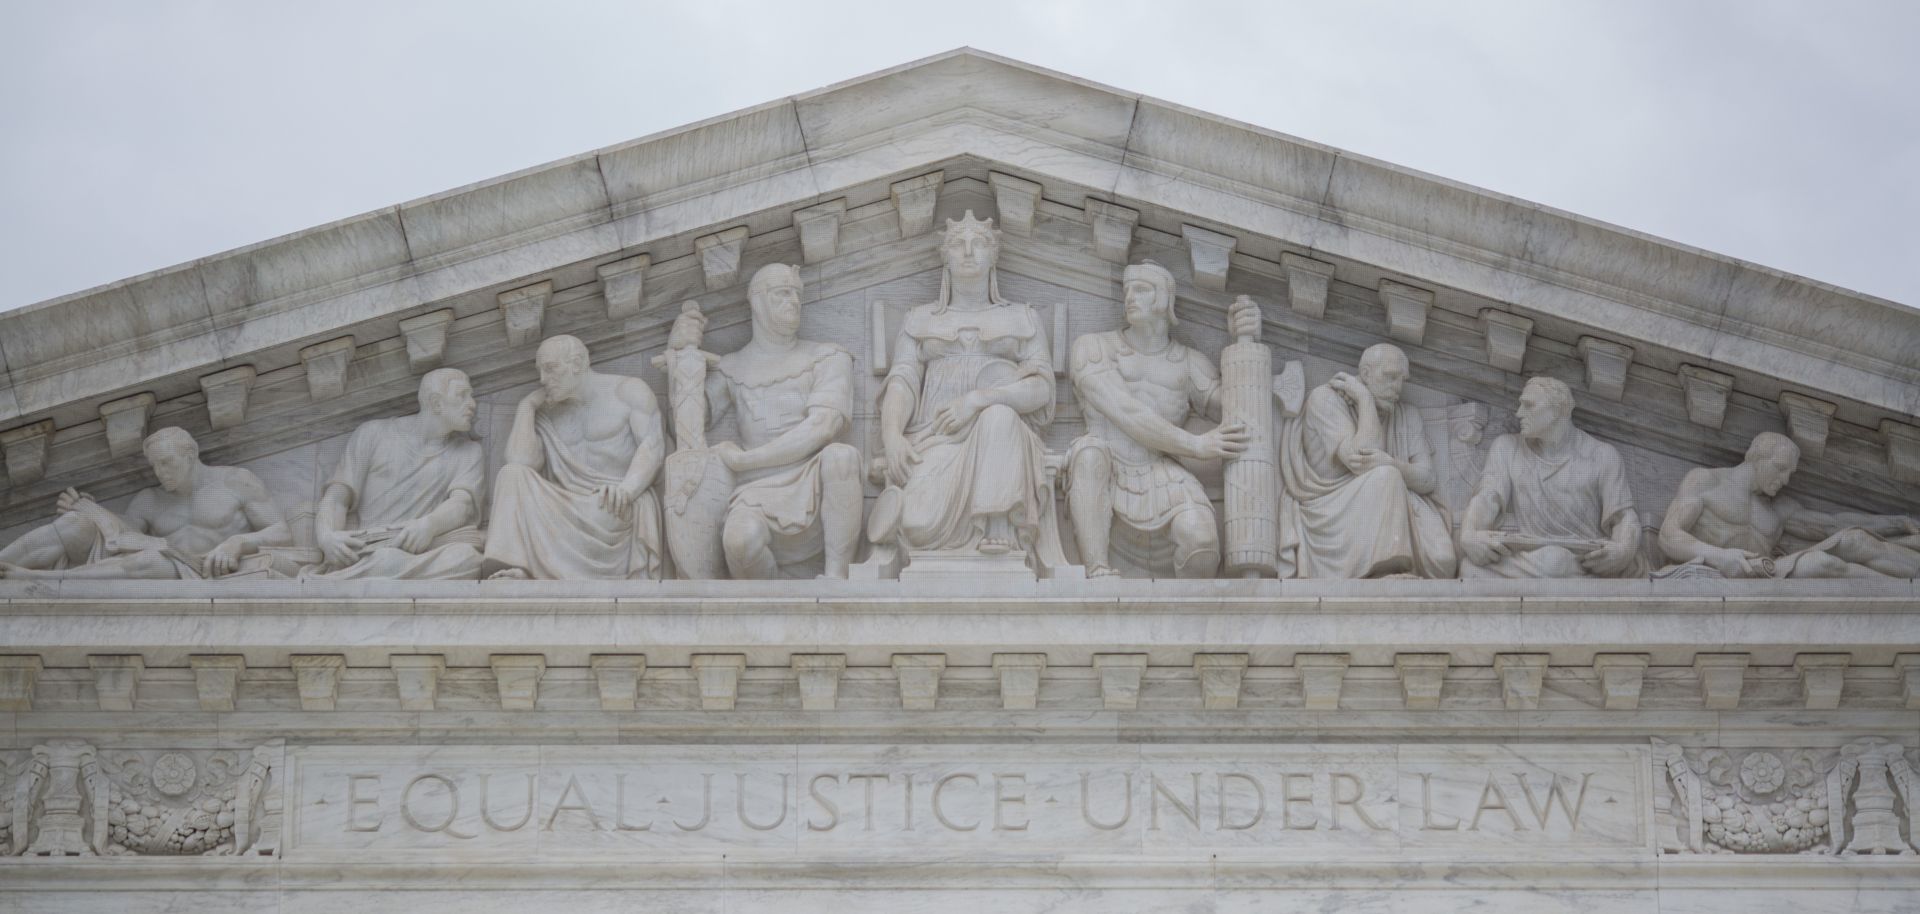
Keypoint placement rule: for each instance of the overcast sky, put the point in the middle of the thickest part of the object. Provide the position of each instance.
(137, 135)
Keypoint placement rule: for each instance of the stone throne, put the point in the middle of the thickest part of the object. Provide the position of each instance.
(1048, 559)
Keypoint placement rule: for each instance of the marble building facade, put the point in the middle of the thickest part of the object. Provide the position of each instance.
(961, 486)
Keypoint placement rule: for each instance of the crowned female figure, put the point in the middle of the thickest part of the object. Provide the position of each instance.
(971, 384)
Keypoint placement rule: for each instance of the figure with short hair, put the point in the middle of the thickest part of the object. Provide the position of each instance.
(197, 523)
(1734, 521)
(1357, 481)
(411, 486)
(1564, 493)
(796, 504)
(1127, 494)
(573, 500)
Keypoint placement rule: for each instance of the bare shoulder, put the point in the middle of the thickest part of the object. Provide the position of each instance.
(241, 481)
(635, 393)
(143, 502)
(1698, 482)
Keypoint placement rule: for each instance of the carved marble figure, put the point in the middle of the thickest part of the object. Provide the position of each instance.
(199, 522)
(970, 387)
(796, 504)
(573, 500)
(1733, 521)
(1126, 492)
(411, 486)
(1358, 481)
(1564, 493)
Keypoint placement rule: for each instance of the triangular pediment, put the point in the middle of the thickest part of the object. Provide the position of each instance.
(850, 181)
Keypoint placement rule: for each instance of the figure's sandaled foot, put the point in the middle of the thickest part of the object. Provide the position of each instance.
(1102, 571)
(510, 574)
(998, 538)
(10, 571)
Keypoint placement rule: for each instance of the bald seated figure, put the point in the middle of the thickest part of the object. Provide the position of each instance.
(411, 485)
(197, 523)
(1357, 481)
(1735, 521)
(573, 500)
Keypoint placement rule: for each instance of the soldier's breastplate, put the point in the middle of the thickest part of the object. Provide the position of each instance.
(1156, 382)
(768, 413)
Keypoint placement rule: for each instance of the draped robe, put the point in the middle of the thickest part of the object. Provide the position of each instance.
(393, 479)
(1338, 524)
(552, 524)
(994, 465)
(1576, 497)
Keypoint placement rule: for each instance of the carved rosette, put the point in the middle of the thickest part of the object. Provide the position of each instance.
(71, 799)
(1858, 799)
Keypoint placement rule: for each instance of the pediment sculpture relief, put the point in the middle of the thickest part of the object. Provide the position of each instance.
(200, 522)
(789, 499)
(961, 409)
(412, 487)
(1126, 489)
(1358, 474)
(1565, 492)
(1338, 480)
(1733, 522)
(575, 499)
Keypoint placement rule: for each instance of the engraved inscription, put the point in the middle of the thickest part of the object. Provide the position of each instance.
(901, 800)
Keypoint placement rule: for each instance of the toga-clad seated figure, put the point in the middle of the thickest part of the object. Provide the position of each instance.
(1563, 490)
(1126, 493)
(1357, 481)
(797, 497)
(412, 487)
(198, 523)
(960, 412)
(1735, 522)
(572, 501)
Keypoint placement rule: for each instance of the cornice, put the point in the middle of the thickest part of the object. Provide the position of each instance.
(255, 302)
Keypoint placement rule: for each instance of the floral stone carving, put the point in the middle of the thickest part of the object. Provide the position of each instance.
(74, 800)
(1849, 801)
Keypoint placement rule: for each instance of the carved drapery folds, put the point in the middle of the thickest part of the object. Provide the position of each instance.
(959, 441)
(67, 798)
(1856, 800)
